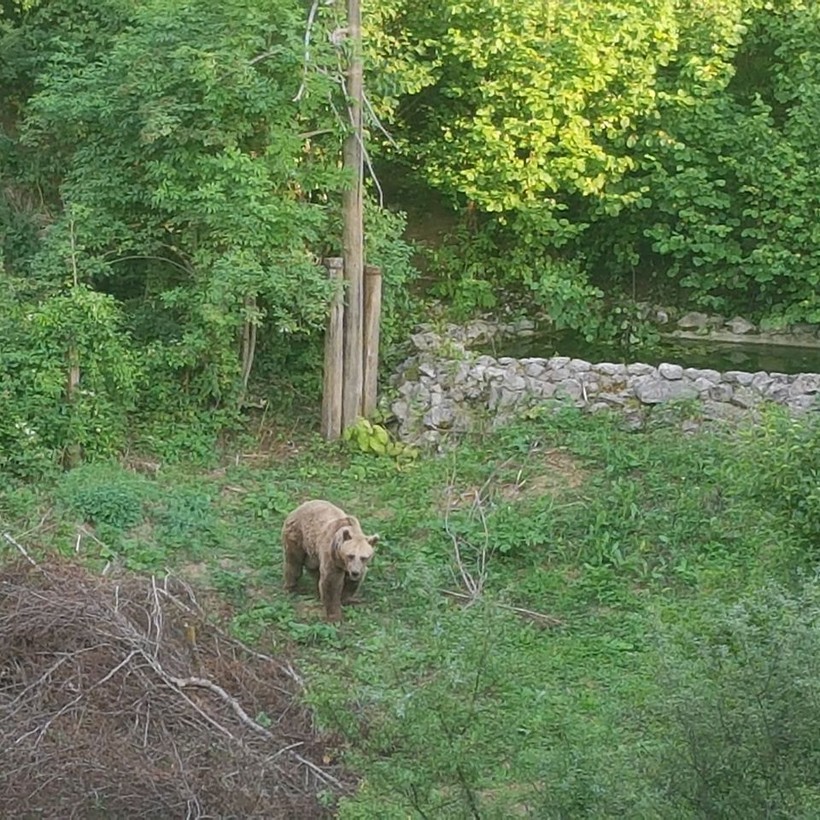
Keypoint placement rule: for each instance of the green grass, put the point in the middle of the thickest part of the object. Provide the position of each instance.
(640, 544)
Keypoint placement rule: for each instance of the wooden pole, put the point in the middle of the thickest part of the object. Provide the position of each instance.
(73, 455)
(248, 342)
(372, 316)
(332, 383)
(353, 231)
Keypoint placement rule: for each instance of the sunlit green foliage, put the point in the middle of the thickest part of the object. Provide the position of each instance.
(170, 179)
(607, 142)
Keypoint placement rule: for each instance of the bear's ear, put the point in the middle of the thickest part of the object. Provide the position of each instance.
(373, 540)
(346, 533)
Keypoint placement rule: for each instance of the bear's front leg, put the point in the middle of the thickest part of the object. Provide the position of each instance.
(330, 591)
(350, 589)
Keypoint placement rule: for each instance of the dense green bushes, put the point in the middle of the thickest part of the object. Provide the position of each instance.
(42, 416)
(740, 702)
(170, 183)
(667, 146)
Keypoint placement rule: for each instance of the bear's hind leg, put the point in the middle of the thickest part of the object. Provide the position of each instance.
(314, 574)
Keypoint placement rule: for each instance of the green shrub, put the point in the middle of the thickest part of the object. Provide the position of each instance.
(105, 495)
(186, 522)
(41, 419)
(782, 463)
(741, 708)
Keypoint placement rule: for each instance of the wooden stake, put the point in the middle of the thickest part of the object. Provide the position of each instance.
(332, 383)
(73, 452)
(372, 316)
(353, 232)
(248, 343)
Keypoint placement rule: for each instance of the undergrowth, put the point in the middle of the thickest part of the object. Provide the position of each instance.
(643, 641)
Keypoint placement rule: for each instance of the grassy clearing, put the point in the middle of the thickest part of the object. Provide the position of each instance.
(674, 675)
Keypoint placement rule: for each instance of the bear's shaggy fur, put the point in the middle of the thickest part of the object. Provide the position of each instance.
(330, 544)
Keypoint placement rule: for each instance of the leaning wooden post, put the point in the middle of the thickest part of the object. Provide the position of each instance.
(353, 226)
(333, 373)
(73, 454)
(372, 316)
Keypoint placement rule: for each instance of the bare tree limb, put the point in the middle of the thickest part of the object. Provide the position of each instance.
(311, 17)
(17, 545)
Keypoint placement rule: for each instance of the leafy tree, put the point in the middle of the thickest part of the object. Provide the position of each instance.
(731, 184)
(198, 208)
(602, 142)
(180, 162)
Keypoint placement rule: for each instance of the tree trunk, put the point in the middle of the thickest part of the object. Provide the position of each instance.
(248, 342)
(73, 455)
(353, 231)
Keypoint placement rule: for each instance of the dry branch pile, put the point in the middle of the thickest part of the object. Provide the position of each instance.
(118, 699)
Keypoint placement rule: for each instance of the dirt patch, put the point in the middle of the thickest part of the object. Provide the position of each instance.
(271, 444)
(556, 471)
(118, 698)
(552, 472)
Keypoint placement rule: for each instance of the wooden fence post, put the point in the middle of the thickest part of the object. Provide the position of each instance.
(333, 367)
(73, 454)
(372, 316)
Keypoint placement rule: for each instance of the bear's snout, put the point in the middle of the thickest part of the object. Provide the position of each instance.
(354, 574)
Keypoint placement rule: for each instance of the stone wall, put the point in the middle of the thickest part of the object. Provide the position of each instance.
(446, 390)
(695, 325)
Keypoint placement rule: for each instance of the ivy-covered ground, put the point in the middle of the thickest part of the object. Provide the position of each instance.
(563, 618)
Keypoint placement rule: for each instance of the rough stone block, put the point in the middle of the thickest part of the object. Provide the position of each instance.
(610, 369)
(721, 392)
(746, 397)
(570, 389)
(740, 326)
(653, 390)
(693, 321)
(694, 373)
(672, 372)
(738, 377)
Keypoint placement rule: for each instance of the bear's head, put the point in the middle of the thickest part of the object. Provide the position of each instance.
(353, 550)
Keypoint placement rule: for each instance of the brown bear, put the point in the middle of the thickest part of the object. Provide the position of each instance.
(331, 545)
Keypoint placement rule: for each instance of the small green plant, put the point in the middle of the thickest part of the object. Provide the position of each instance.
(270, 502)
(138, 554)
(230, 583)
(105, 495)
(783, 467)
(374, 438)
(185, 521)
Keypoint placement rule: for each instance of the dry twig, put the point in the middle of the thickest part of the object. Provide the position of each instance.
(530, 614)
(18, 546)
